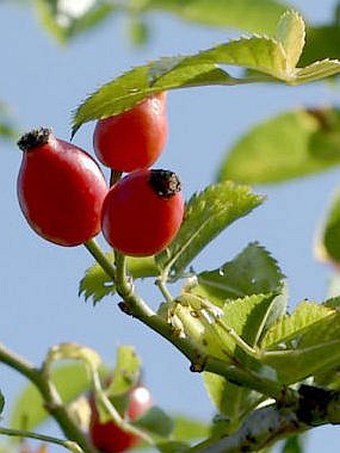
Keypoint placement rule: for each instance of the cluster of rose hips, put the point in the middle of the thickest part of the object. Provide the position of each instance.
(66, 200)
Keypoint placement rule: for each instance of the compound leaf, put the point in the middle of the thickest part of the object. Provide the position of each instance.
(270, 58)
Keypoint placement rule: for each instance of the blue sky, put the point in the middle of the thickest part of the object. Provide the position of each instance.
(43, 82)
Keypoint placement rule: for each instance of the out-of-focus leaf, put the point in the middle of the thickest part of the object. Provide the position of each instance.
(291, 145)
(66, 20)
(207, 214)
(8, 129)
(172, 447)
(126, 372)
(70, 380)
(322, 42)
(2, 402)
(233, 401)
(186, 428)
(138, 31)
(96, 284)
(257, 16)
(270, 58)
(328, 240)
(294, 444)
(156, 422)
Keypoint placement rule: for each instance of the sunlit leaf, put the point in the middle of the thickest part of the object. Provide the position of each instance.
(309, 337)
(309, 143)
(270, 58)
(207, 214)
(305, 315)
(291, 33)
(316, 351)
(253, 271)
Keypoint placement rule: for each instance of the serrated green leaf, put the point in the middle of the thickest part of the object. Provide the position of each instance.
(253, 271)
(309, 337)
(264, 55)
(96, 284)
(309, 143)
(291, 34)
(305, 315)
(67, 20)
(71, 381)
(317, 71)
(317, 351)
(328, 243)
(260, 17)
(156, 422)
(2, 402)
(207, 214)
(126, 372)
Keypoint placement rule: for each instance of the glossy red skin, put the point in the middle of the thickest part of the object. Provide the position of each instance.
(136, 220)
(133, 139)
(108, 437)
(61, 191)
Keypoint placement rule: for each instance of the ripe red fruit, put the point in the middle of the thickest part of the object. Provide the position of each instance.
(143, 212)
(60, 189)
(133, 139)
(108, 437)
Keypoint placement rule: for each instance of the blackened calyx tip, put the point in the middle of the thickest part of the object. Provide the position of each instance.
(165, 183)
(34, 138)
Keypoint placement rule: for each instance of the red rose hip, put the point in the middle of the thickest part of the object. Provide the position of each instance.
(60, 189)
(143, 212)
(110, 438)
(134, 139)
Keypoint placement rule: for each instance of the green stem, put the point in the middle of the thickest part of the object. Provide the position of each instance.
(103, 400)
(160, 282)
(98, 254)
(69, 445)
(52, 400)
(200, 361)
